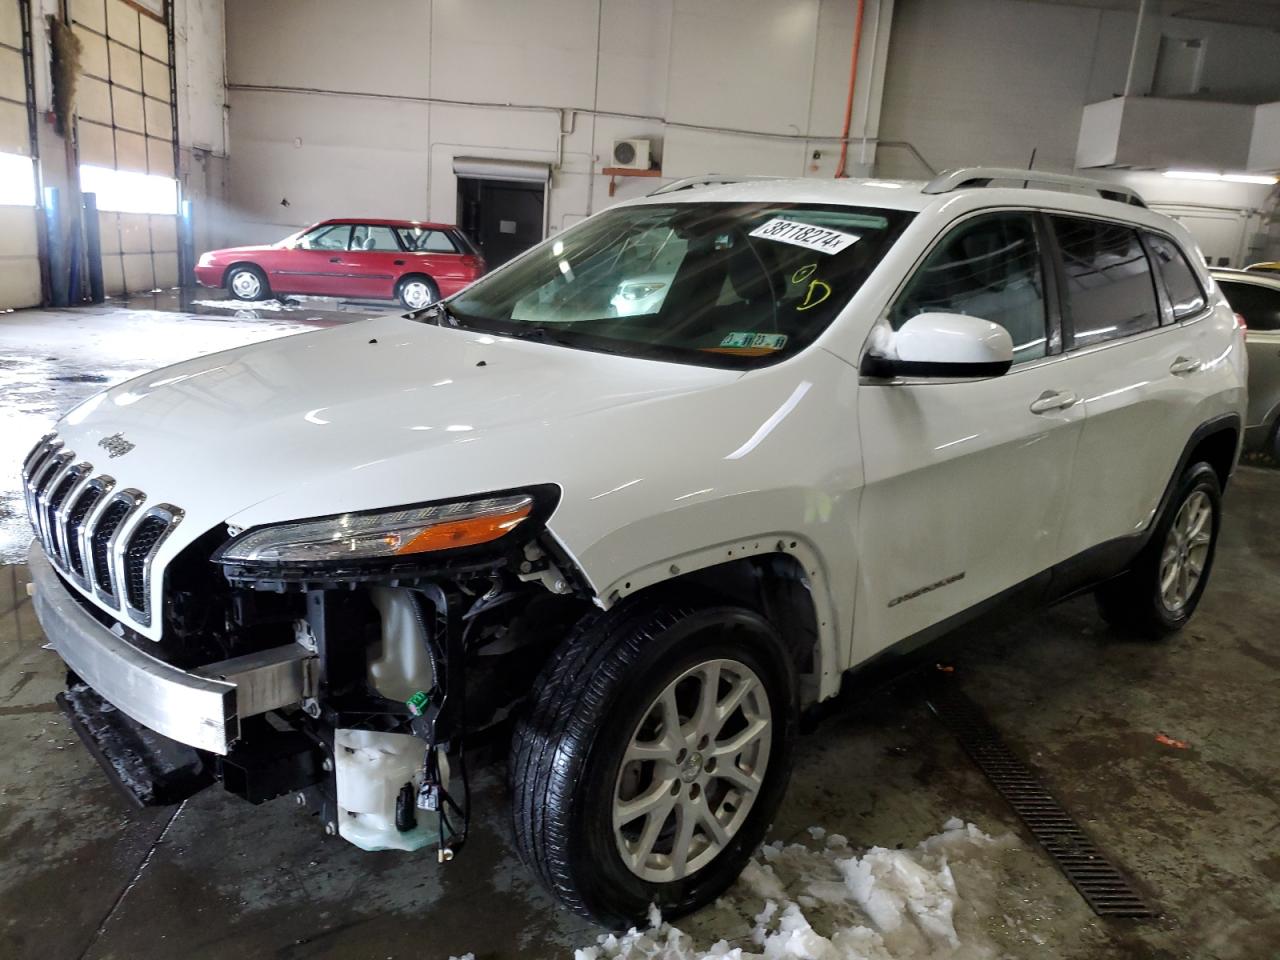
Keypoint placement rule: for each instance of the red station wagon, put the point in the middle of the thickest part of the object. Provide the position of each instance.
(407, 260)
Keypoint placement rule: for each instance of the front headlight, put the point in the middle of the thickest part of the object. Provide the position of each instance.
(385, 534)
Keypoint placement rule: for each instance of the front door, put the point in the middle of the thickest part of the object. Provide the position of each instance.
(315, 265)
(966, 481)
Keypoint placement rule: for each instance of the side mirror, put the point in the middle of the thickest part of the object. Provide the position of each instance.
(940, 345)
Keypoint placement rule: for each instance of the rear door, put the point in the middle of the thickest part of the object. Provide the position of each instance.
(1135, 357)
(1259, 303)
(438, 254)
(374, 262)
(966, 481)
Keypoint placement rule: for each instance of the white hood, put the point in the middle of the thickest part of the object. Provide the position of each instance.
(347, 418)
(388, 412)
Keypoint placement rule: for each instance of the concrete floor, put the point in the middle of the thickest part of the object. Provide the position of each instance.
(84, 875)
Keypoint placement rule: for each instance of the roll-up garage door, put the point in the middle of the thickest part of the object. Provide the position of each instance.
(19, 243)
(126, 140)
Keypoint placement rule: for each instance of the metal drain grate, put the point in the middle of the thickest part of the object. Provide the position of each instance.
(1107, 891)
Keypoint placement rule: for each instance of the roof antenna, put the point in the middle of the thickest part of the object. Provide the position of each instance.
(1030, 163)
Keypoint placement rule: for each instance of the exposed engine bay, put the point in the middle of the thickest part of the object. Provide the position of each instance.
(403, 676)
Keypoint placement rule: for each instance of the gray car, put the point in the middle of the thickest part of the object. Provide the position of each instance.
(1256, 297)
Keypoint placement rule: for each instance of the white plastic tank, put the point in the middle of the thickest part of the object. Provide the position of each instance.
(401, 667)
(371, 769)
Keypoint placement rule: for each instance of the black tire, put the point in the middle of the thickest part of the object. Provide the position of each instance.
(251, 295)
(416, 278)
(1133, 601)
(1274, 447)
(567, 750)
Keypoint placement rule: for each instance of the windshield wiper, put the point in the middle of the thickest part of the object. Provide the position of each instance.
(444, 317)
(539, 332)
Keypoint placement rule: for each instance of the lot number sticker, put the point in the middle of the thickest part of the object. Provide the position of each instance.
(805, 235)
(766, 341)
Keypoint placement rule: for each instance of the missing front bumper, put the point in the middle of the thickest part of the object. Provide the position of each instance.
(201, 709)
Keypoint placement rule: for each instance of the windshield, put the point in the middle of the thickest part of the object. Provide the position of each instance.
(722, 284)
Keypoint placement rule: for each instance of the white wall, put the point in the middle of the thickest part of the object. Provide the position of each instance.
(200, 59)
(983, 82)
(554, 81)
(987, 81)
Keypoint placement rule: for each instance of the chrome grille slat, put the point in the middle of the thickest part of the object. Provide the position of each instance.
(92, 496)
(56, 495)
(138, 552)
(106, 537)
(81, 473)
(103, 539)
(42, 487)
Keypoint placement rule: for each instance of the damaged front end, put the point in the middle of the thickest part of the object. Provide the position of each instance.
(355, 661)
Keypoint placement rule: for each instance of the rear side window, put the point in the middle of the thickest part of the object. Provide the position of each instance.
(987, 267)
(1110, 291)
(427, 241)
(1185, 293)
(1259, 305)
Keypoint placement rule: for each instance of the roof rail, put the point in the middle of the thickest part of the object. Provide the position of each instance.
(960, 177)
(705, 180)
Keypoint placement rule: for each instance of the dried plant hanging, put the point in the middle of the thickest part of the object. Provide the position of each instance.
(66, 49)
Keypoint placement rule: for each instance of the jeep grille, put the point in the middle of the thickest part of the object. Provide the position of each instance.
(102, 539)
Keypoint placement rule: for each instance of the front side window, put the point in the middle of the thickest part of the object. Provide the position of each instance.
(1258, 304)
(374, 237)
(1185, 294)
(988, 267)
(1110, 289)
(721, 284)
(333, 237)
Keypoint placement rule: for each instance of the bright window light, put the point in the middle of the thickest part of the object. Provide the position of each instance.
(124, 191)
(1228, 177)
(17, 181)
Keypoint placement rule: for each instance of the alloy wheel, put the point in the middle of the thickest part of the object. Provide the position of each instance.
(246, 285)
(417, 294)
(1186, 549)
(693, 768)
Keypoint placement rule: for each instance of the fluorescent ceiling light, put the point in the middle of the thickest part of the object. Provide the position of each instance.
(17, 181)
(1228, 177)
(1248, 178)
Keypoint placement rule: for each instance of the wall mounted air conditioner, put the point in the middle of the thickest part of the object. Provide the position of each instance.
(631, 154)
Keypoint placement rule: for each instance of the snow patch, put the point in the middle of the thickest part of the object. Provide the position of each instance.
(824, 901)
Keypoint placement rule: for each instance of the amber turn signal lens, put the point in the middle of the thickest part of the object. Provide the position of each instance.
(466, 533)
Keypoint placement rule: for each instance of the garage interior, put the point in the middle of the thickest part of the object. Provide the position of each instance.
(137, 134)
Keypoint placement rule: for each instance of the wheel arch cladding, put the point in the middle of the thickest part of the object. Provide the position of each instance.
(1218, 449)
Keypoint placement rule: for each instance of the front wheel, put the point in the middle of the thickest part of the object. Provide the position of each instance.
(247, 283)
(1162, 589)
(654, 757)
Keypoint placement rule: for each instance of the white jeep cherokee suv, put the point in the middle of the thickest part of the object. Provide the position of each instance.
(630, 504)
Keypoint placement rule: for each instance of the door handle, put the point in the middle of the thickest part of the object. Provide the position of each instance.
(398, 263)
(335, 259)
(1184, 365)
(1053, 400)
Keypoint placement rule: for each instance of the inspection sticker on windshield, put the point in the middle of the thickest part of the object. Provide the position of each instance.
(763, 341)
(805, 235)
